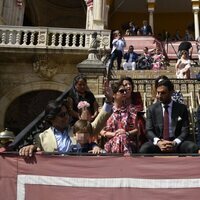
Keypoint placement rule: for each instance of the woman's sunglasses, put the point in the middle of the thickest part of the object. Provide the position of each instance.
(122, 91)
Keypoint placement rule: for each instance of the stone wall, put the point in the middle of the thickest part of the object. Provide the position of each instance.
(21, 74)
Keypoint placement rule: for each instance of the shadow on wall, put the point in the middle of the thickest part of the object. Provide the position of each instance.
(26, 108)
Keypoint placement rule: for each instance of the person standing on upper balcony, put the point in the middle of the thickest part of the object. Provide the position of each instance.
(132, 29)
(188, 36)
(131, 59)
(146, 29)
(118, 44)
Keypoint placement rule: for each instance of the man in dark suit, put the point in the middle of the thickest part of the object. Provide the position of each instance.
(167, 124)
(146, 29)
(131, 58)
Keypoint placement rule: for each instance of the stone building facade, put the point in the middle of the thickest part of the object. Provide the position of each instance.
(43, 41)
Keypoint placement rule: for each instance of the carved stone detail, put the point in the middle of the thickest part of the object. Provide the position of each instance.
(43, 68)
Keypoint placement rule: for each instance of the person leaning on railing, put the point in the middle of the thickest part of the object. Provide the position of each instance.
(57, 138)
(83, 132)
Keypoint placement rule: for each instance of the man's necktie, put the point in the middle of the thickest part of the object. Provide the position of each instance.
(166, 123)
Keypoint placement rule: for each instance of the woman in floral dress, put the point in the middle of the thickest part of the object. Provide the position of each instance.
(120, 129)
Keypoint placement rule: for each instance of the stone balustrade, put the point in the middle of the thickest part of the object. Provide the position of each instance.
(50, 38)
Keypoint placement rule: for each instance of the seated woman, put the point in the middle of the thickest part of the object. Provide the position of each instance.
(134, 100)
(183, 66)
(80, 92)
(120, 129)
(158, 60)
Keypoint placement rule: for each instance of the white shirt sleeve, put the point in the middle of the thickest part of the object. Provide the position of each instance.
(107, 107)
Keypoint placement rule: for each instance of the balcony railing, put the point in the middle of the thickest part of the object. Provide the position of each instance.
(50, 38)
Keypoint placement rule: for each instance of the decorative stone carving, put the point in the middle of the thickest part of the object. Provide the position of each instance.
(105, 41)
(95, 43)
(92, 64)
(42, 67)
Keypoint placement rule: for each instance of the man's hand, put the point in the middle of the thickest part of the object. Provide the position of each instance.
(95, 150)
(27, 151)
(165, 145)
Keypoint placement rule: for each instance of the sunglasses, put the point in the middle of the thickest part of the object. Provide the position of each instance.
(122, 91)
(63, 114)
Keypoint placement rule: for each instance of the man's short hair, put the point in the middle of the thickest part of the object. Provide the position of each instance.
(167, 83)
(53, 108)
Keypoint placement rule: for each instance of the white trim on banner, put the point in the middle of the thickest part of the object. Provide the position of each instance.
(22, 180)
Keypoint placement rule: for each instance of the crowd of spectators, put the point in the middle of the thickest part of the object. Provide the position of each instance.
(76, 125)
(120, 126)
(152, 59)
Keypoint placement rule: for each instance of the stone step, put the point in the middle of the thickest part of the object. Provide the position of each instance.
(141, 74)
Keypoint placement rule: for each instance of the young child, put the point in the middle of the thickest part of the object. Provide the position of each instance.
(82, 132)
(85, 113)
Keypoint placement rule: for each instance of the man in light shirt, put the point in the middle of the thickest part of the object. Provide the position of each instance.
(58, 138)
(117, 50)
(178, 124)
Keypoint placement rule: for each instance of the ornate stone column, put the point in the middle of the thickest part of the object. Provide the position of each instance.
(1, 11)
(13, 12)
(195, 8)
(98, 10)
(89, 18)
(92, 67)
(151, 8)
(97, 14)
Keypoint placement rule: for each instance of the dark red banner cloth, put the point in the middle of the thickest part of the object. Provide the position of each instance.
(87, 177)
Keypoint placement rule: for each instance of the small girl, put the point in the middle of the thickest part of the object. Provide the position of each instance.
(85, 113)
